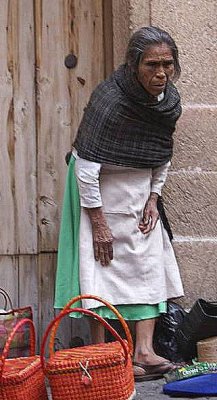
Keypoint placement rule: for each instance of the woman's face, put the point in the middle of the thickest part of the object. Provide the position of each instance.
(155, 68)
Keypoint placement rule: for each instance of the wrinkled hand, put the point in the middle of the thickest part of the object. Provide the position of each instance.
(102, 237)
(150, 214)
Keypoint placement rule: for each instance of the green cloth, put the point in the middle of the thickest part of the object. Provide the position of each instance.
(134, 312)
(67, 276)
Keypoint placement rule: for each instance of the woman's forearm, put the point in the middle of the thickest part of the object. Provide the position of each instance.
(159, 176)
(97, 216)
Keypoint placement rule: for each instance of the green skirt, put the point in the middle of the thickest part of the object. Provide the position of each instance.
(67, 275)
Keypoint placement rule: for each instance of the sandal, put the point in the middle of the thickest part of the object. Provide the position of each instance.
(152, 372)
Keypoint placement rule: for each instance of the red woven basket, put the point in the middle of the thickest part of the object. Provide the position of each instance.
(22, 378)
(96, 372)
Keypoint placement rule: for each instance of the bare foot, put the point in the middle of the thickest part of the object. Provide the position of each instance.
(150, 358)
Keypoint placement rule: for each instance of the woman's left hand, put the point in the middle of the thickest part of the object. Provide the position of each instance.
(150, 214)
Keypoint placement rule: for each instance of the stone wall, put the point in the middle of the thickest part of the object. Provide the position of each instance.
(191, 190)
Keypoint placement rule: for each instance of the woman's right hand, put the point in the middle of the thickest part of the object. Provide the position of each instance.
(102, 236)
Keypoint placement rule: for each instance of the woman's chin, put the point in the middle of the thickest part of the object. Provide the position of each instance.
(157, 90)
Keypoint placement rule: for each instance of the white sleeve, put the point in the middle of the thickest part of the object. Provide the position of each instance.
(159, 176)
(87, 174)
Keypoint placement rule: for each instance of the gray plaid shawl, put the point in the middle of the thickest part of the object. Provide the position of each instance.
(122, 126)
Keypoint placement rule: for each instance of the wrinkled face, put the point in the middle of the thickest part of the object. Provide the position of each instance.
(155, 68)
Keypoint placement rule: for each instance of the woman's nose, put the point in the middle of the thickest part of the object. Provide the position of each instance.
(160, 71)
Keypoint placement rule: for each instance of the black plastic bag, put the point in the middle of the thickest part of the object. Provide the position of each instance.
(200, 323)
(165, 342)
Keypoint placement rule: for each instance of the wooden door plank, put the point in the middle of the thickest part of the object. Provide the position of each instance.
(66, 27)
(24, 126)
(9, 277)
(29, 287)
(47, 269)
(17, 129)
(7, 180)
(53, 115)
(108, 37)
(46, 283)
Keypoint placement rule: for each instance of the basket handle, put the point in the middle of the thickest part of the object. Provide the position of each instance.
(83, 311)
(10, 338)
(7, 299)
(110, 306)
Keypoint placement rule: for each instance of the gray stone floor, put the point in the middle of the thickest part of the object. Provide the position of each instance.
(153, 391)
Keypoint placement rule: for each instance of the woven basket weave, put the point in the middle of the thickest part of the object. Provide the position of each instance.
(207, 350)
(95, 372)
(22, 378)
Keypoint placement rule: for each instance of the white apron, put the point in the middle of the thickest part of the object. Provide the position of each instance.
(144, 268)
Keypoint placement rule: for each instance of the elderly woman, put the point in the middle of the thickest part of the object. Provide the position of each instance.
(119, 161)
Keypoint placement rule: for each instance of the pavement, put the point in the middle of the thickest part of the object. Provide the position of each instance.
(152, 390)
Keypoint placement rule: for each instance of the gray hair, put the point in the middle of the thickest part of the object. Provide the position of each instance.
(141, 41)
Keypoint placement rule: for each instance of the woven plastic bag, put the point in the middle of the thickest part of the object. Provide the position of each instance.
(95, 372)
(22, 377)
(9, 317)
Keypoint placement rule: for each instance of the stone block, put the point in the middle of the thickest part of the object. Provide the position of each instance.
(197, 263)
(190, 201)
(195, 145)
(139, 11)
(193, 24)
(128, 16)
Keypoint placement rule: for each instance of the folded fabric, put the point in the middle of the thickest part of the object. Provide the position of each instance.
(205, 385)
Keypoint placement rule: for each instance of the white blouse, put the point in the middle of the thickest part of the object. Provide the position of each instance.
(87, 173)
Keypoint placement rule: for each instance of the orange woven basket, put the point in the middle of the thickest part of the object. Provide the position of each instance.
(95, 372)
(22, 378)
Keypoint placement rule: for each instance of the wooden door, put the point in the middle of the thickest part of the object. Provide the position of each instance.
(41, 104)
